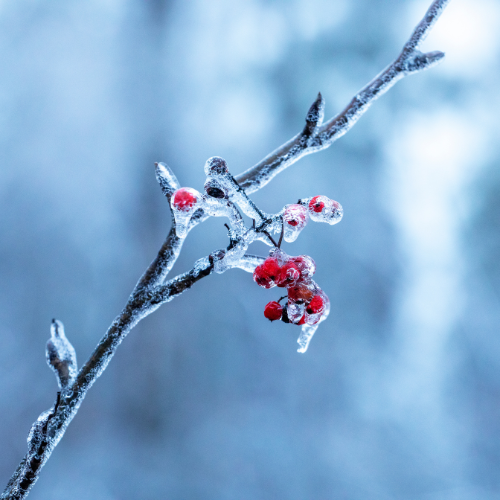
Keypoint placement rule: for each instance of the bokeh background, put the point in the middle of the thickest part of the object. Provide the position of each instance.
(398, 397)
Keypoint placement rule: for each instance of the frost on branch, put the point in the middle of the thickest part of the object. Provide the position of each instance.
(61, 355)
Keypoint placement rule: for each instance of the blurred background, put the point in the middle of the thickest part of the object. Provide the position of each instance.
(398, 396)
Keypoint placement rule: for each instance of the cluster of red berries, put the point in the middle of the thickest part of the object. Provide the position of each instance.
(307, 303)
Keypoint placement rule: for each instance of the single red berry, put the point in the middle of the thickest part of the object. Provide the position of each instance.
(184, 199)
(261, 278)
(317, 305)
(289, 274)
(272, 268)
(316, 204)
(300, 293)
(273, 311)
(305, 264)
(267, 273)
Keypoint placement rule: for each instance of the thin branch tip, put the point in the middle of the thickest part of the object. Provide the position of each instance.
(166, 179)
(315, 115)
(61, 355)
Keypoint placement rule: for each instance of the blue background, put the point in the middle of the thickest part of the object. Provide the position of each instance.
(398, 396)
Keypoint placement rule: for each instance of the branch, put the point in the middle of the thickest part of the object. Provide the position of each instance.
(51, 425)
(316, 137)
(151, 291)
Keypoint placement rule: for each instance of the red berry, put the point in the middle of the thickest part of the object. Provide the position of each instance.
(317, 305)
(272, 268)
(316, 204)
(267, 273)
(184, 199)
(305, 264)
(300, 293)
(289, 274)
(273, 311)
(295, 215)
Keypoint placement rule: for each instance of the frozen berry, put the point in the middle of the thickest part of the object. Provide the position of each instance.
(317, 204)
(305, 264)
(273, 311)
(295, 215)
(300, 293)
(289, 274)
(317, 305)
(267, 273)
(184, 199)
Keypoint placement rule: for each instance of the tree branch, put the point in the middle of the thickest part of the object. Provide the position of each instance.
(316, 137)
(151, 291)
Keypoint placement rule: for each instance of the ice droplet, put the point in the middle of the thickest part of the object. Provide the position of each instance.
(295, 218)
(295, 311)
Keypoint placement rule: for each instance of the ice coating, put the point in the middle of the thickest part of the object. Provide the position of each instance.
(295, 218)
(167, 179)
(224, 208)
(61, 355)
(200, 265)
(306, 265)
(214, 188)
(221, 184)
(231, 257)
(184, 203)
(295, 311)
(323, 209)
(308, 330)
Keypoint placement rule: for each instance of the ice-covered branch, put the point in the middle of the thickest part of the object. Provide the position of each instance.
(316, 137)
(223, 193)
(171, 248)
(51, 425)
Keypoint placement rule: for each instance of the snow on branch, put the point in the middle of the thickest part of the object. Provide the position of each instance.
(225, 196)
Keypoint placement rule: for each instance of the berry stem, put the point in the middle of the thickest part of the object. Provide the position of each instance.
(282, 232)
(271, 238)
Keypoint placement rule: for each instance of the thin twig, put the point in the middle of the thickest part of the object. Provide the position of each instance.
(315, 138)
